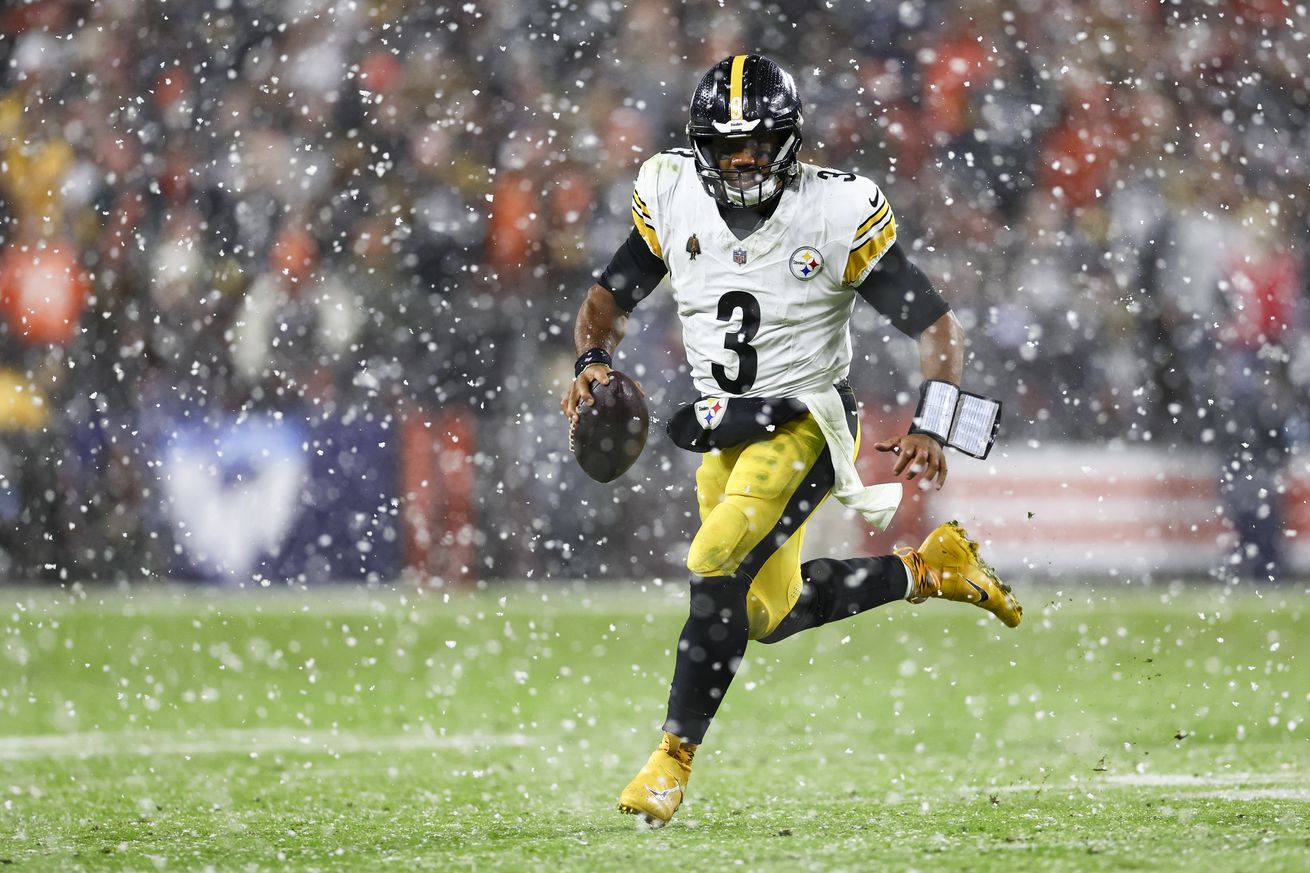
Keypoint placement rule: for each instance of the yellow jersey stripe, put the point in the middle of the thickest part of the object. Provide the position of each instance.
(869, 222)
(868, 253)
(735, 88)
(640, 202)
(640, 207)
(647, 233)
(872, 232)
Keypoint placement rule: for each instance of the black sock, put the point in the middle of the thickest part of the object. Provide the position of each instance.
(834, 590)
(709, 651)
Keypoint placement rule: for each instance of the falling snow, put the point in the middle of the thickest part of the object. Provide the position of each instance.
(322, 259)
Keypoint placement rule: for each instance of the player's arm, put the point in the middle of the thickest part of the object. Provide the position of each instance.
(901, 291)
(602, 320)
(898, 289)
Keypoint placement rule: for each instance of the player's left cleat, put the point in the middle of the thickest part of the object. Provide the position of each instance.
(657, 791)
(964, 576)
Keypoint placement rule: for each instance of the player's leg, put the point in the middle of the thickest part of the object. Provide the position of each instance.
(947, 565)
(751, 500)
(773, 487)
(788, 596)
(657, 790)
(831, 589)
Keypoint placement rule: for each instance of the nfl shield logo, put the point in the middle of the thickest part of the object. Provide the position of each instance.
(710, 411)
(739, 256)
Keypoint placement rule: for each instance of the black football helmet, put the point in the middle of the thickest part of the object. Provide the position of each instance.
(745, 102)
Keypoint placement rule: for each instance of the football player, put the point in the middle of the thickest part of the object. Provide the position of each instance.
(765, 256)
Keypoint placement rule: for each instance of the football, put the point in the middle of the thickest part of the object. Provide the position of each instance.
(608, 437)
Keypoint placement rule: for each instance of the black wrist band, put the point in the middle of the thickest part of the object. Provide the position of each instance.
(941, 441)
(591, 356)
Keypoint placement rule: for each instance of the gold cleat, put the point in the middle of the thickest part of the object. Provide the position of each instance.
(962, 574)
(657, 791)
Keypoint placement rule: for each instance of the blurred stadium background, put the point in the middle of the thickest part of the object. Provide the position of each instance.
(287, 287)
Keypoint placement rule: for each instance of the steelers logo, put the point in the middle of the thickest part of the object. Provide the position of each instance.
(806, 263)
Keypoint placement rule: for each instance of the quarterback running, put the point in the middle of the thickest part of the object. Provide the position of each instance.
(765, 256)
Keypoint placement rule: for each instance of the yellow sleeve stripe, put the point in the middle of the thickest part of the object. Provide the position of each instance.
(647, 233)
(873, 231)
(877, 216)
(637, 197)
(640, 207)
(866, 254)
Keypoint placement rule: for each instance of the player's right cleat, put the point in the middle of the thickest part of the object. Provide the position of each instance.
(965, 576)
(657, 791)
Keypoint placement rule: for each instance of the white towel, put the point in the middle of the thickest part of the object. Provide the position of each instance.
(877, 503)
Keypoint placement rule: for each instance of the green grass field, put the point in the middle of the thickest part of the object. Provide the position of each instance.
(353, 730)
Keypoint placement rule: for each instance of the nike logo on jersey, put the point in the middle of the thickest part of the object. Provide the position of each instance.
(982, 595)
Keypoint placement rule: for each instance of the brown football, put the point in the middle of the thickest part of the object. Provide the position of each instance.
(608, 437)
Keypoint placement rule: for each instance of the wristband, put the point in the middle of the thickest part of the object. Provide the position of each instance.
(962, 420)
(591, 356)
(936, 410)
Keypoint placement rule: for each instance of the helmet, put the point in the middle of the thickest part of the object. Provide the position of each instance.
(745, 101)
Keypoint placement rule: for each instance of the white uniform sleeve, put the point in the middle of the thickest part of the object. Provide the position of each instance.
(873, 233)
(645, 204)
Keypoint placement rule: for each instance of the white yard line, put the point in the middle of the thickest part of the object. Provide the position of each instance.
(255, 741)
(1256, 794)
(1192, 780)
(1229, 785)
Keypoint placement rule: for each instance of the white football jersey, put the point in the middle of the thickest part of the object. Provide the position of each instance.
(767, 316)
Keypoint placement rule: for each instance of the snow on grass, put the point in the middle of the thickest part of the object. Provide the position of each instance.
(254, 741)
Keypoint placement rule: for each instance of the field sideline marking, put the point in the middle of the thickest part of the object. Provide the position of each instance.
(253, 740)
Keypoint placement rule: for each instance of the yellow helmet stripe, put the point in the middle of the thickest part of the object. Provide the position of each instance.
(735, 87)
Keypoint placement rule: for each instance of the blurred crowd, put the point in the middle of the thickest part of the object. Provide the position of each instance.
(320, 207)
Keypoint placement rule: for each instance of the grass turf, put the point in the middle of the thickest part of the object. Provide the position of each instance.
(1114, 730)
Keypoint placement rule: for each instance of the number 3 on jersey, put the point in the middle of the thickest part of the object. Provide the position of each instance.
(738, 341)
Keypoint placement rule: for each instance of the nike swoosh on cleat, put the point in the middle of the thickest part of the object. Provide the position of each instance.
(663, 795)
(981, 593)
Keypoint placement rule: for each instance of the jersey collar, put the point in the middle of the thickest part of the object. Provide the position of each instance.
(768, 234)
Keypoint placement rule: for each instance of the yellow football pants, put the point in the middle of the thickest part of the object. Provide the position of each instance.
(754, 502)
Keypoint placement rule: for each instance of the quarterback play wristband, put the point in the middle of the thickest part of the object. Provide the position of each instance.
(962, 420)
(591, 356)
(936, 409)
